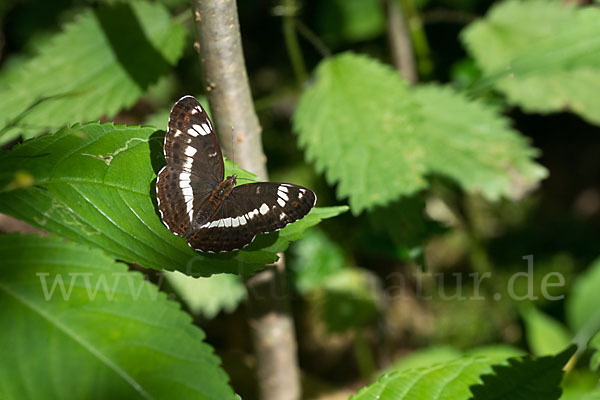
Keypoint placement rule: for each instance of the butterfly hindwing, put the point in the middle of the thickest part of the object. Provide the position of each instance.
(194, 165)
(249, 210)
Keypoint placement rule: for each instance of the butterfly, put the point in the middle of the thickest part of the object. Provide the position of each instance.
(197, 202)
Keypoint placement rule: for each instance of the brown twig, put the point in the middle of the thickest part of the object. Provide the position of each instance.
(400, 42)
(230, 100)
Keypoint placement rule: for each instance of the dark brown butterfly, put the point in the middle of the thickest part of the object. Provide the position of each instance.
(197, 202)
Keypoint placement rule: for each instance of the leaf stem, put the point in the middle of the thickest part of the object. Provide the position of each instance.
(364, 355)
(288, 11)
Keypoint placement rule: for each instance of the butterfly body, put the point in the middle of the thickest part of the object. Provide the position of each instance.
(197, 202)
(211, 205)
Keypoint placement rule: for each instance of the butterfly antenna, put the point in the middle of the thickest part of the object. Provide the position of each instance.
(233, 148)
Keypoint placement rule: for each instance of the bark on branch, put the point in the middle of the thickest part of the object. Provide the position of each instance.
(400, 42)
(231, 104)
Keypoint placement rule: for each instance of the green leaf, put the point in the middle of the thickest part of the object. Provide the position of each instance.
(527, 378)
(445, 381)
(593, 395)
(582, 313)
(545, 335)
(426, 357)
(95, 184)
(465, 140)
(82, 326)
(357, 125)
(594, 344)
(543, 55)
(431, 356)
(350, 20)
(207, 296)
(377, 139)
(348, 299)
(315, 258)
(580, 385)
(101, 63)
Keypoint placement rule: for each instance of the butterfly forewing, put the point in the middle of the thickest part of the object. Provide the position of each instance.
(251, 209)
(194, 200)
(194, 165)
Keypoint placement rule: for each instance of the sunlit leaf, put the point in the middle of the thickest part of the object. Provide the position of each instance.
(377, 139)
(444, 381)
(95, 184)
(543, 55)
(101, 62)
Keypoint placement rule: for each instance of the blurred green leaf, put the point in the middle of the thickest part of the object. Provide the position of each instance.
(350, 20)
(207, 296)
(468, 142)
(526, 378)
(582, 312)
(95, 184)
(580, 385)
(545, 335)
(82, 326)
(348, 299)
(592, 395)
(101, 63)
(594, 344)
(377, 139)
(543, 55)
(315, 258)
(405, 222)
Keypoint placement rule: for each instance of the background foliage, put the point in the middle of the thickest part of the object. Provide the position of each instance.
(492, 157)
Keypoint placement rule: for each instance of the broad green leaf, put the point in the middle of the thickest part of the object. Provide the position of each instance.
(94, 184)
(80, 326)
(207, 296)
(430, 356)
(583, 315)
(426, 357)
(543, 55)
(102, 62)
(527, 378)
(468, 142)
(378, 139)
(444, 381)
(545, 335)
(357, 125)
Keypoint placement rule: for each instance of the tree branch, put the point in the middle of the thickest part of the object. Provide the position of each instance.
(226, 82)
(400, 42)
(231, 104)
